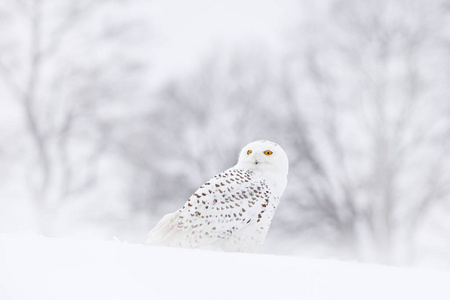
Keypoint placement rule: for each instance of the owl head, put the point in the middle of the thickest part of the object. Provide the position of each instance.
(264, 156)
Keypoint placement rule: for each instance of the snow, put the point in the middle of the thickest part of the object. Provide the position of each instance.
(36, 267)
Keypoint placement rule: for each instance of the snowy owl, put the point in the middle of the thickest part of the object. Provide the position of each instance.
(233, 210)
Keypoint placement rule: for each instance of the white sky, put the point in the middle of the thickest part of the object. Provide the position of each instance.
(187, 30)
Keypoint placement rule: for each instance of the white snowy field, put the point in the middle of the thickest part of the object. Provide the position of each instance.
(35, 267)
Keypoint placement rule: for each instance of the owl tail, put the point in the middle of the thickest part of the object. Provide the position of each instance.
(164, 231)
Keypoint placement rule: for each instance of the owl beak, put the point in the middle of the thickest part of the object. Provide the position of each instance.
(256, 162)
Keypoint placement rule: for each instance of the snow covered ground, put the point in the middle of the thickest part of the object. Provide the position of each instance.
(35, 267)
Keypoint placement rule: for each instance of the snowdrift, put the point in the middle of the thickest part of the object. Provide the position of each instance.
(35, 267)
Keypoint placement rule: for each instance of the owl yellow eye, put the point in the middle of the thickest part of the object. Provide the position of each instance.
(268, 152)
(249, 152)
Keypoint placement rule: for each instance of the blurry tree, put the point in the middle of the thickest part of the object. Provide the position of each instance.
(366, 94)
(200, 123)
(64, 63)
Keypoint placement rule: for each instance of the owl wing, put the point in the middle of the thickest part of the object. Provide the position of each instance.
(220, 210)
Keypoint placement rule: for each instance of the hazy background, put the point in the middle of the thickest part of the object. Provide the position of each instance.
(112, 113)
